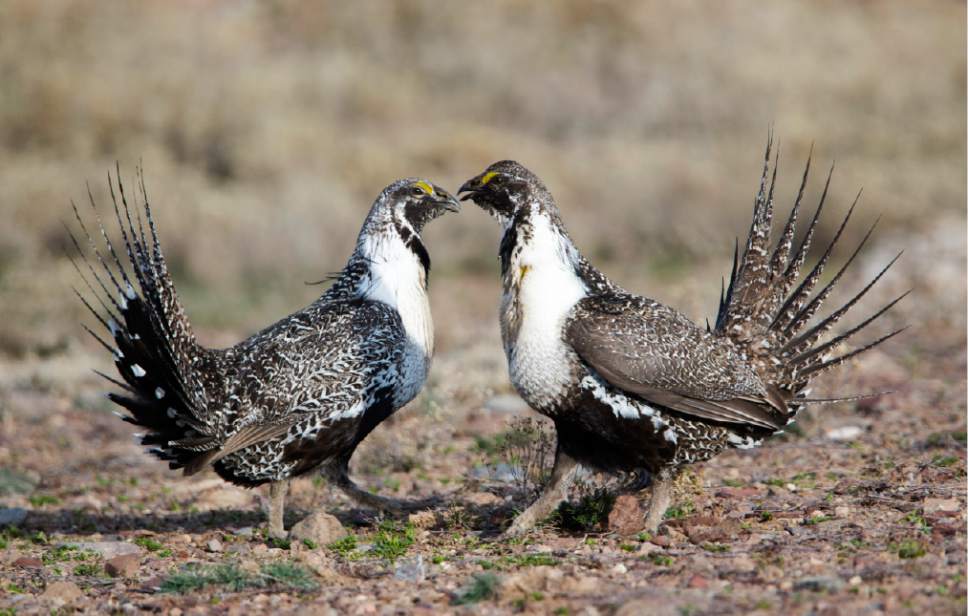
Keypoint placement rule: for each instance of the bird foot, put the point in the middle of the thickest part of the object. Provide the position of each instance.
(661, 498)
(383, 503)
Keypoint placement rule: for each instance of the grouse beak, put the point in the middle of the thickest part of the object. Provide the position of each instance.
(472, 187)
(446, 200)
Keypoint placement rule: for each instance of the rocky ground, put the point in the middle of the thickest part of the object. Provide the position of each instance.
(860, 509)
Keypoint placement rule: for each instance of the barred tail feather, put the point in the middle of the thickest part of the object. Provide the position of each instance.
(154, 348)
(767, 304)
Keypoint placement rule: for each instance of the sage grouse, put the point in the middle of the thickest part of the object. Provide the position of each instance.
(299, 395)
(634, 385)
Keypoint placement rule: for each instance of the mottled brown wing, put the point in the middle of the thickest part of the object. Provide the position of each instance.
(648, 349)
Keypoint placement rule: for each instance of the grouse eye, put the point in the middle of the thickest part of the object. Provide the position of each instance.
(421, 189)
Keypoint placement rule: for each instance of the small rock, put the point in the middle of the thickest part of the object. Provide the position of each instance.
(108, 549)
(482, 499)
(626, 516)
(698, 581)
(125, 565)
(506, 403)
(581, 586)
(214, 545)
(737, 492)
(423, 519)
(844, 433)
(620, 568)
(941, 505)
(12, 516)
(411, 569)
(855, 581)
(647, 548)
(744, 564)
(62, 592)
(320, 564)
(791, 487)
(320, 527)
(661, 541)
(816, 513)
(842, 511)
(27, 562)
(819, 583)
(245, 531)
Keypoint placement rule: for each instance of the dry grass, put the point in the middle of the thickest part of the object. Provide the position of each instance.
(267, 128)
(271, 126)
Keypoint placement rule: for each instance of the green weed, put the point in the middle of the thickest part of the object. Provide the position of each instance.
(392, 541)
(229, 576)
(483, 586)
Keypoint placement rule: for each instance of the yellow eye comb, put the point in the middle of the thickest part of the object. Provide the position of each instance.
(424, 186)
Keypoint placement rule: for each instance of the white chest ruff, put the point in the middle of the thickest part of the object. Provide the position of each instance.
(539, 361)
(397, 278)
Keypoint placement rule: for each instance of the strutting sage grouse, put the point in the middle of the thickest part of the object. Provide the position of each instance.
(633, 385)
(299, 395)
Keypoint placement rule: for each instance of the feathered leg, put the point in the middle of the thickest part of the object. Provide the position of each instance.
(663, 484)
(562, 476)
(277, 508)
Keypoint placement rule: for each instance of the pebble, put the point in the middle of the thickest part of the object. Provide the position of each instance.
(125, 565)
(647, 548)
(12, 516)
(941, 505)
(27, 562)
(411, 569)
(214, 545)
(108, 549)
(843, 511)
(245, 531)
(819, 583)
(320, 528)
(844, 433)
(855, 581)
(620, 568)
(791, 487)
(62, 592)
(626, 516)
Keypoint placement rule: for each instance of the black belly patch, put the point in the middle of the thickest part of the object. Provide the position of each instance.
(592, 433)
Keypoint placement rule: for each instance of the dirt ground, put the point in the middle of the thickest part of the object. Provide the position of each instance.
(861, 509)
(266, 129)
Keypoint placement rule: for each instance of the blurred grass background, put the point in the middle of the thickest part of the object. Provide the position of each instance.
(267, 128)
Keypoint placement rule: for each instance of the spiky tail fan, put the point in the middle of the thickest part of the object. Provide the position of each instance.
(765, 310)
(154, 349)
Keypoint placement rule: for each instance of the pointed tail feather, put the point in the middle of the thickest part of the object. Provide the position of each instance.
(767, 304)
(153, 346)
